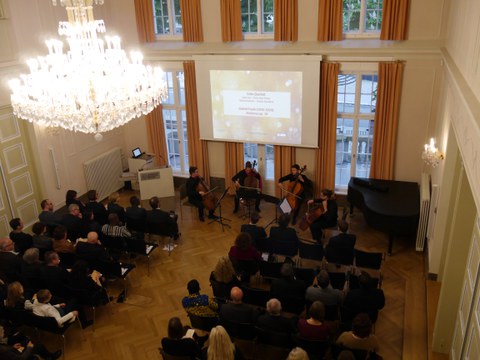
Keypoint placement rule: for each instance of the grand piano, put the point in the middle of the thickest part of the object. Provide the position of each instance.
(388, 205)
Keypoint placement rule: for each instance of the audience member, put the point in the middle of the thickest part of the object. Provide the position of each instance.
(135, 211)
(48, 216)
(20, 347)
(273, 320)
(224, 278)
(40, 238)
(342, 240)
(15, 296)
(21, 240)
(236, 311)
(220, 347)
(314, 328)
(41, 306)
(32, 270)
(297, 354)
(80, 278)
(361, 336)
(71, 198)
(323, 291)
(288, 290)
(113, 207)
(257, 233)
(89, 223)
(92, 249)
(177, 344)
(73, 222)
(366, 299)
(243, 249)
(197, 304)
(283, 235)
(115, 228)
(99, 212)
(346, 355)
(162, 219)
(54, 276)
(60, 242)
(10, 263)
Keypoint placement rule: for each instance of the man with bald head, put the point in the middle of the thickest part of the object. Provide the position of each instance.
(10, 263)
(92, 249)
(236, 311)
(273, 320)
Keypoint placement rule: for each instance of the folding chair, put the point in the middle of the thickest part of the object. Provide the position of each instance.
(314, 349)
(305, 275)
(141, 248)
(184, 200)
(270, 270)
(257, 297)
(205, 323)
(339, 255)
(272, 344)
(371, 261)
(310, 252)
(115, 270)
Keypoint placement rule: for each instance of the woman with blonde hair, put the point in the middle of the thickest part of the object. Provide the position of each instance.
(15, 298)
(298, 354)
(114, 207)
(223, 278)
(220, 347)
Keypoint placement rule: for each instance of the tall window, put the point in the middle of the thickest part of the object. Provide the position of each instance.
(257, 16)
(357, 93)
(167, 17)
(175, 120)
(362, 16)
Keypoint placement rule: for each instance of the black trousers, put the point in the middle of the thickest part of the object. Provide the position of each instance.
(247, 195)
(201, 207)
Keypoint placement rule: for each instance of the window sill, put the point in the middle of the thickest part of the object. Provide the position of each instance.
(359, 36)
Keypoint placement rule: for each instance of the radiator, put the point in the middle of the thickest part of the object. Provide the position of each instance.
(103, 173)
(424, 211)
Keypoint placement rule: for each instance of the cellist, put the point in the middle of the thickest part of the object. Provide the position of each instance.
(195, 197)
(239, 180)
(329, 216)
(295, 175)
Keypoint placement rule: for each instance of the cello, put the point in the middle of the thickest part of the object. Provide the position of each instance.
(311, 215)
(251, 182)
(208, 198)
(295, 189)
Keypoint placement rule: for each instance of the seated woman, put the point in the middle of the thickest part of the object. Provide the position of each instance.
(243, 249)
(223, 278)
(90, 284)
(314, 328)
(20, 347)
(177, 344)
(89, 223)
(113, 207)
(40, 239)
(71, 198)
(60, 242)
(220, 347)
(361, 336)
(197, 304)
(15, 297)
(329, 216)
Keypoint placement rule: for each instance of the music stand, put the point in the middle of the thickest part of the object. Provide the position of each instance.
(248, 194)
(220, 219)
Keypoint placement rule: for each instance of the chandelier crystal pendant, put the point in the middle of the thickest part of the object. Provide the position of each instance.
(93, 87)
(431, 155)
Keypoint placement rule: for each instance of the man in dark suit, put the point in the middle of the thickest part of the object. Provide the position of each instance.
(136, 216)
(288, 290)
(273, 320)
(342, 240)
(236, 311)
(92, 249)
(54, 276)
(283, 237)
(161, 220)
(99, 212)
(22, 241)
(48, 217)
(10, 263)
(257, 233)
(73, 222)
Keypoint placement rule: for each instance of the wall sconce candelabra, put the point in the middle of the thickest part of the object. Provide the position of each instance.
(431, 155)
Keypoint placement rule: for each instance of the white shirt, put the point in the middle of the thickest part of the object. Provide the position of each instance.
(48, 310)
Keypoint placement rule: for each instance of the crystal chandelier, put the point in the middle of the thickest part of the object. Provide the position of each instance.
(93, 87)
(431, 155)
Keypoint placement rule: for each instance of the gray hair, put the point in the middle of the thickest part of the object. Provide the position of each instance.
(31, 256)
(274, 307)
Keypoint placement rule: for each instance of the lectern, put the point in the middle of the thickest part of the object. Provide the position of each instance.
(156, 182)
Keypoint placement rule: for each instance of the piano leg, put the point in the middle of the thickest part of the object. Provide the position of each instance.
(390, 244)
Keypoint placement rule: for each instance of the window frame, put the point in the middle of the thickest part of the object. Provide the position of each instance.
(172, 35)
(260, 34)
(357, 116)
(362, 33)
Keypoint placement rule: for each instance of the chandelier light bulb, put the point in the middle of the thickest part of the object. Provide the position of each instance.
(92, 86)
(431, 155)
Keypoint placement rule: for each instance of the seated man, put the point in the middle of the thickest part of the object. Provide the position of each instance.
(245, 179)
(283, 236)
(22, 241)
(342, 240)
(257, 233)
(115, 228)
(73, 222)
(197, 304)
(10, 262)
(161, 219)
(99, 212)
(53, 276)
(136, 216)
(273, 320)
(236, 311)
(323, 292)
(47, 216)
(40, 238)
(195, 196)
(92, 249)
(60, 242)
(288, 290)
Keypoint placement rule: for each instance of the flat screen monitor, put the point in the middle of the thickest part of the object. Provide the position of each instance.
(136, 152)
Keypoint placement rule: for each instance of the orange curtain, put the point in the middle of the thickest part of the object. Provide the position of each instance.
(156, 136)
(327, 132)
(231, 15)
(394, 20)
(191, 20)
(234, 155)
(386, 120)
(197, 149)
(144, 17)
(286, 20)
(330, 20)
(284, 159)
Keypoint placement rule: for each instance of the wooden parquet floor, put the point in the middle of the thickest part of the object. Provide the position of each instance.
(134, 329)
